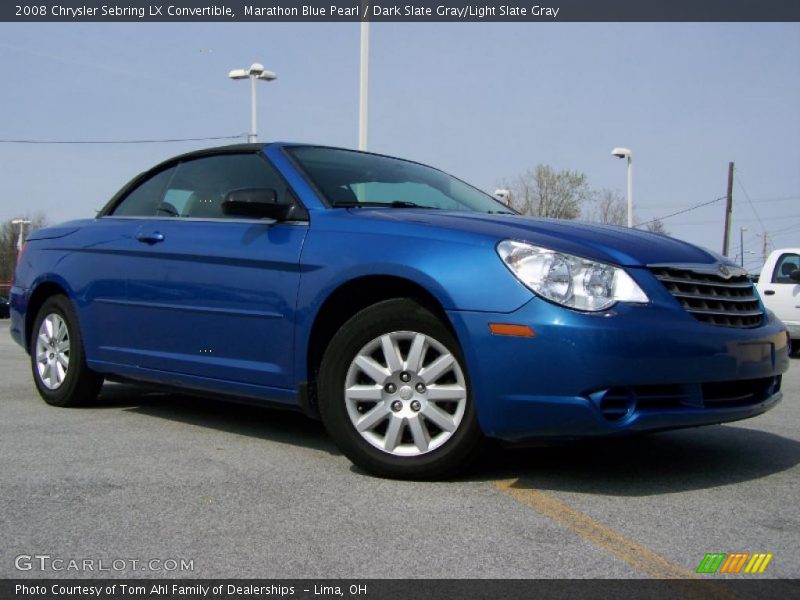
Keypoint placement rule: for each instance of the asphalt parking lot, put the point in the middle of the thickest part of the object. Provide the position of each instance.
(248, 492)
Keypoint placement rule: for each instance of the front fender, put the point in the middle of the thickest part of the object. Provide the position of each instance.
(462, 270)
(461, 274)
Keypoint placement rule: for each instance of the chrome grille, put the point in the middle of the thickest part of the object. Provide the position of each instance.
(711, 297)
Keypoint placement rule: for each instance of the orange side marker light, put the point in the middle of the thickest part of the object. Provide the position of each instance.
(511, 329)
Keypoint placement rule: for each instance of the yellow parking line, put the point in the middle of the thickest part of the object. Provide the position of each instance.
(637, 556)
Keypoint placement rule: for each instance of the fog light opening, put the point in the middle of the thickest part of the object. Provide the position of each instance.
(617, 404)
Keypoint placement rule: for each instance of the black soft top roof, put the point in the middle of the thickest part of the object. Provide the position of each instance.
(229, 149)
(215, 151)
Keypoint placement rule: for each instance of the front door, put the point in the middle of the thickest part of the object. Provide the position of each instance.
(210, 297)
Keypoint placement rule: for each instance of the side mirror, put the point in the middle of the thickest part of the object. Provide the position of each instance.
(256, 203)
(795, 275)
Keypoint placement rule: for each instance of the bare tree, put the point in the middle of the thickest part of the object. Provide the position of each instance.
(656, 226)
(610, 207)
(607, 207)
(9, 236)
(545, 192)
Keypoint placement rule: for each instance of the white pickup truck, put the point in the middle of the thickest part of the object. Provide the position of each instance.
(779, 286)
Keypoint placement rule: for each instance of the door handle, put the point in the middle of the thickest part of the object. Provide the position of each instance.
(766, 292)
(152, 237)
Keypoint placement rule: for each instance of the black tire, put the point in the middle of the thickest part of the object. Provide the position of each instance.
(795, 348)
(397, 315)
(80, 385)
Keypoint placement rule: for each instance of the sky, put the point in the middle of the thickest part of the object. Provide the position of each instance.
(483, 101)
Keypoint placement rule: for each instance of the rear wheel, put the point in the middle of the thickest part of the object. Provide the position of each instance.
(394, 393)
(795, 347)
(57, 358)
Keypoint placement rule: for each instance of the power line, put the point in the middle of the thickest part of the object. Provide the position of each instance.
(754, 241)
(774, 235)
(753, 244)
(750, 202)
(777, 199)
(738, 221)
(755, 201)
(796, 226)
(680, 212)
(152, 141)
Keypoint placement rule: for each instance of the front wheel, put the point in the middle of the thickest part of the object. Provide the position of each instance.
(395, 395)
(57, 358)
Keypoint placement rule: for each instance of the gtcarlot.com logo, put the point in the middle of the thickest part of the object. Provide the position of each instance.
(46, 562)
(721, 562)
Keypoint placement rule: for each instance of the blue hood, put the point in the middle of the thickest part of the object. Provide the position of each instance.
(608, 243)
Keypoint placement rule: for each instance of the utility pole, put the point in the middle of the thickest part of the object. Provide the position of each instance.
(741, 245)
(764, 248)
(728, 211)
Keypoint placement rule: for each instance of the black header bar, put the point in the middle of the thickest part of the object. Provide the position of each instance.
(401, 10)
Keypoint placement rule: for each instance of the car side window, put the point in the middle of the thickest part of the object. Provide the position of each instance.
(201, 185)
(145, 199)
(784, 267)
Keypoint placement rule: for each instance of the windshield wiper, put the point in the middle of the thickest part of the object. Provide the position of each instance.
(369, 204)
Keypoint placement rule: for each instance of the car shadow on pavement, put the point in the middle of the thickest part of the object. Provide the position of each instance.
(668, 462)
(659, 463)
(283, 426)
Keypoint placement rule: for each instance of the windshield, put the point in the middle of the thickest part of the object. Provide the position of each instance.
(355, 179)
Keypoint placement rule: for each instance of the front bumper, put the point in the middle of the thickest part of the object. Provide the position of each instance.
(633, 368)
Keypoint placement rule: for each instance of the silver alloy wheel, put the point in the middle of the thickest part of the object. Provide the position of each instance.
(405, 393)
(52, 351)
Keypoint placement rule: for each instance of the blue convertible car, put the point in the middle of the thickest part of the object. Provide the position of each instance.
(412, 313)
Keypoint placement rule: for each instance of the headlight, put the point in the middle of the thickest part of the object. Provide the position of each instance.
(569, 280)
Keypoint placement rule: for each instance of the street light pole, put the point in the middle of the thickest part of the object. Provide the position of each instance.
(363, 87)
(504, 195)
(22, 224)
(253, 112)
(254, 73)
(630, 191)
(627, 154)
